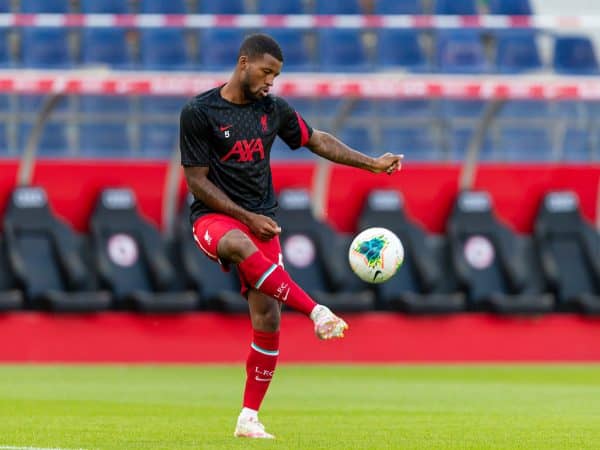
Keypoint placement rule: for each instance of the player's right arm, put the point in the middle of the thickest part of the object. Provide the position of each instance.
(195, 157)
(205, 190)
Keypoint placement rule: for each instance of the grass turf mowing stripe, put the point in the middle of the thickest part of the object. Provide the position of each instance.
(309, 407)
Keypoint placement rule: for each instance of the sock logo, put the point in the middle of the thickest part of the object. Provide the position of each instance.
(282, 292)
(263, 374)
(207, 237)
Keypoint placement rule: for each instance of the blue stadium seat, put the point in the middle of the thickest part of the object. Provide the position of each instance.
(280, 7)
(105, 46)
(358, 138)
(576, 145)
(416, 143)
(219, 48)
(452, 109)
(459, 138)
(163, 7)
(528, 109)
(158, 140)
(341, 50)
(398, 7)
(222, 7)
(33, 104)
(5, 6)
(460, 51)
(296, 52)
(510, 7)
(400, 49)
(53, 141)
(5, 56)
(104, 104)
(162, 105)
(524, 144)
(163, 49)
(405, 108)
(455, 7)
(45, 47)
(5, 103)
(574, 55)
(104, 140)
(104, 7)
(338, 7)
(517, 51)
(44, 6)
(4, 145)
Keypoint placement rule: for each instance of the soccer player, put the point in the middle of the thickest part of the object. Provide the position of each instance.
(226, 136)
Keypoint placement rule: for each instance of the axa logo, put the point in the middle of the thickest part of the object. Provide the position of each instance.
(245, 149)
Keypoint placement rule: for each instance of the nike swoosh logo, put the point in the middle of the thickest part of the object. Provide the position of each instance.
(376, 274)
(226, 127)
(284, 298)
(262, 379)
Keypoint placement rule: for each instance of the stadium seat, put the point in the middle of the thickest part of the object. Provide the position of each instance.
(486, 260)
(576, 145)
(6, 59)
(417, 143)
(316, 258)
(5, 6)
(104, 7)
(296, 51)
(222, 7)
(5, 147)
(218, 290)
(158, 140)
(398, 7)
(460, 51)
(45, 48)
(517, 51)
(131, 258)
(104, 104)
(525, 109)
(46, 256)
(458, 140)
(104, 140)
(457, 109)
(341, 50)
(11, 297)
(568, 249)
(163, 49)
(32, 104)
(44, 6)
(574, 55)
(168, 106)
(162, 7)
(105, 46)
(398, 49)
(280, 7)
(406, 108)
(219, 48)
(455, 7)
(338, 7)
(524, 143)
(358, 137)
(509, 7)
(53, 141)
(423, 284)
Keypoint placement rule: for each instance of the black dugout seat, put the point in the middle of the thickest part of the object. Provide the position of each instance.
(422, 284)
(569, 250)
(132, 259)
(45, 256)
(218, 290)
(489, 261)
(316, 258)
(11, 297)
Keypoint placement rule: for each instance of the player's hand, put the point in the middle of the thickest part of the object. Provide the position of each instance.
(388, 163)
(263, 227)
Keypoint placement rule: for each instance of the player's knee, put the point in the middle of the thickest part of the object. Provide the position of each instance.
(235, 246)
(267, 320)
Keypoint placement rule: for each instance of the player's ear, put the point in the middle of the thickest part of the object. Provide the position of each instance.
(243, 61)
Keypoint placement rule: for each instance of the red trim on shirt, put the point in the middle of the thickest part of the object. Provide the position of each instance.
(303, 130)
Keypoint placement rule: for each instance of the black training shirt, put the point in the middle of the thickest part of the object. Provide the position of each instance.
(235, 141)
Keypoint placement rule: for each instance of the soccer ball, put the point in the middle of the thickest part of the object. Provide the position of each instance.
(375, 255)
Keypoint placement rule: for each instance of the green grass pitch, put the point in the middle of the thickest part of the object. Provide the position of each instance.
(308, 407)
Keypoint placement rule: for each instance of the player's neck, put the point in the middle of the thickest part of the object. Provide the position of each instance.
(232, 92)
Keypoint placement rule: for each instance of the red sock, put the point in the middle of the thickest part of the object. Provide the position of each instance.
(260, 367)
(271, 279)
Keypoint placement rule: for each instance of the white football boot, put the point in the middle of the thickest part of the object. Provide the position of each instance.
(327, 324)
(250, 427)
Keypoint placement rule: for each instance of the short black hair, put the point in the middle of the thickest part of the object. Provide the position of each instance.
(256, 45)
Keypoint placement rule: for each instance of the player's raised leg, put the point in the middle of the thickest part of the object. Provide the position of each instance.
(265, 314)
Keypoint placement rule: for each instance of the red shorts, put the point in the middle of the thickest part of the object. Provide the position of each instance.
(210, 228)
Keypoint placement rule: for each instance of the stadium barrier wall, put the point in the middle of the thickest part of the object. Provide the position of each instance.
(429, 189)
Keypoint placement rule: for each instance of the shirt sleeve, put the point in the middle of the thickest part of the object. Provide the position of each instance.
(293, 129)
(193, 137)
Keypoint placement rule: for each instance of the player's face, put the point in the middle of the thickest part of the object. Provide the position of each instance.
(258, 75)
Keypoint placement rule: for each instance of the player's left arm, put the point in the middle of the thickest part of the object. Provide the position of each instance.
(327, 146)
